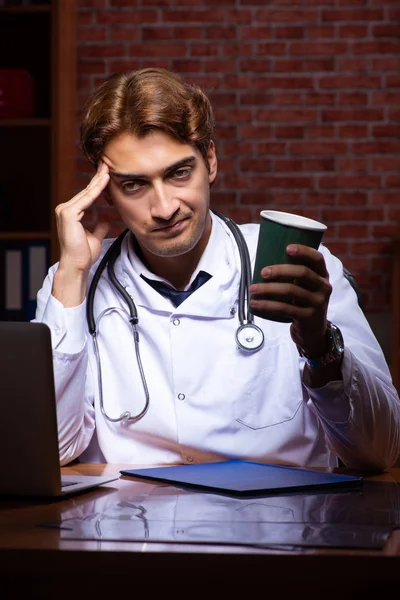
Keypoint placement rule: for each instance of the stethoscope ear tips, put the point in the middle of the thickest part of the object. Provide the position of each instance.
(249, 337)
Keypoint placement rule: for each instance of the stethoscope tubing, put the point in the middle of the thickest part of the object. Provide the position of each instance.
(249, 337)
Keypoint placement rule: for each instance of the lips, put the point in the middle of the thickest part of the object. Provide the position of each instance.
(171, 226)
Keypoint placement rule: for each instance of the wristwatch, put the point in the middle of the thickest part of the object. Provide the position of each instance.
(335, 349)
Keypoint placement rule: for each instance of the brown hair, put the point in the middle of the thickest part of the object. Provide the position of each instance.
(141, 101)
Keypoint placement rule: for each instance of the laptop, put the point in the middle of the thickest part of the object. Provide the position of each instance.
(29, 454)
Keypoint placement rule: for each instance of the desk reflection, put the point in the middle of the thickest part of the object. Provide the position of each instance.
(143, 512)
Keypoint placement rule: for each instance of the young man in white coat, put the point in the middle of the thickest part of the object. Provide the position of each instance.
(163, 380)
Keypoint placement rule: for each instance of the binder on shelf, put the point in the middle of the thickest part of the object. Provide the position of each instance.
(23, 267)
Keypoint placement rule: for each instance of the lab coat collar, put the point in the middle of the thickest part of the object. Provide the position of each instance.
(215, 298)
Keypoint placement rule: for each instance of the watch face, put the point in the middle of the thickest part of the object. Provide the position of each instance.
(337, 338)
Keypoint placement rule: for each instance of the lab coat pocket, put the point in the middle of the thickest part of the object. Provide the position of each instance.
(273, 393)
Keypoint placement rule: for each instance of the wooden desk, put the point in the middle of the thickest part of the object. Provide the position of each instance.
(38, 562)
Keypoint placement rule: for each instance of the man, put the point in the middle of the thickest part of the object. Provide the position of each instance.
(192, 394)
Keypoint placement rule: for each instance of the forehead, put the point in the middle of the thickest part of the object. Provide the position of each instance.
(128, 153)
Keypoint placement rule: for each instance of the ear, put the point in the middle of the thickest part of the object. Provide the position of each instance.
(212, 162)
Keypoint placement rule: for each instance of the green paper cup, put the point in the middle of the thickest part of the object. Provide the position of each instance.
(277, 230)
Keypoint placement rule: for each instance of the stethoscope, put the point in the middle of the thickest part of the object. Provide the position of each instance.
(249, 337)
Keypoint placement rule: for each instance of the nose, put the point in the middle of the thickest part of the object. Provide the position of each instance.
(164, 204)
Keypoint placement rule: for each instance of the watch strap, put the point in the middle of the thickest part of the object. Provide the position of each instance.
(334, 352)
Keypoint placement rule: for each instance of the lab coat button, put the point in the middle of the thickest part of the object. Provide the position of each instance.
(181, 396)
(176, 322)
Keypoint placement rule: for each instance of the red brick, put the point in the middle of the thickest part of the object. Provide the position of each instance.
(134, 17)
(385, 230)
(255, 164)
(320, 131)
(220, 33)
(377, 147)
(103, 51)
(385, 97)
(393, 80)
(353, 231)
(219, 66)
(165, 50)
(349, 64)
(256, 198)
(350, 114)
(255, 32)
(353, 99)
(352, 214)
(309, 148)
(91, 34)
(290, 99)
(385, 163)
(239, 148)
(187, 66)
(370, 248)
(321, 31)
(287, 115)
(255, 65)
(254, 131)
(352, 163)
(319, 164)
(354, 81)
(288, 15)
(254, 98)
(386, 63)
(236, 49)
(288, 32)
(203, 49)
(288, 165)
(314, 65)
(349, 181)
(385, 197)
(222, 198)
(237, 81)
(393, 180)
(271, 148)
(241, 215)
(318, 47)
(352, 198)
(318, 99)
(123, 34)
(353, 130)
(389, 130)
(289, 131)
(353, 14)
(191, 16)
(233, 115)
(283, 83)
(386, 30)
(271, 48)
(378, 46)
(354, 30)
(287, 65)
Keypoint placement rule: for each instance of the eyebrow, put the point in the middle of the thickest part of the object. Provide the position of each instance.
(187, 161)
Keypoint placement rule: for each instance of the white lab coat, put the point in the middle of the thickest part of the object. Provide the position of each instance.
(209, 400)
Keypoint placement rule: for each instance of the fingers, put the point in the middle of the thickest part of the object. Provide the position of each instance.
(86, 197)
(100, 231)
(308, 256)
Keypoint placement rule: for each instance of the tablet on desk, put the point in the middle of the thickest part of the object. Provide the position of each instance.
(241, 477)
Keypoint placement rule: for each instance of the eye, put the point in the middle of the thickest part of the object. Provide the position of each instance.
(132, 186)
(182, 173)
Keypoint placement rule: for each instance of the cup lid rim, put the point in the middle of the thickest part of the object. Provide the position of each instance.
(292, 220)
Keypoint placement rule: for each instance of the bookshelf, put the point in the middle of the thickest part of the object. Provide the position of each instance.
(38, 150)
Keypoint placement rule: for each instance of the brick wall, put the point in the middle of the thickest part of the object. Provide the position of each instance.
(306, 96)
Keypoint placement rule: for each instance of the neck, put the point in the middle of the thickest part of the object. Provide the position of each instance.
(177, 269)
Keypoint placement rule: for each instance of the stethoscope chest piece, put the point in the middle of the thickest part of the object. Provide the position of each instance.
(249, 337)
